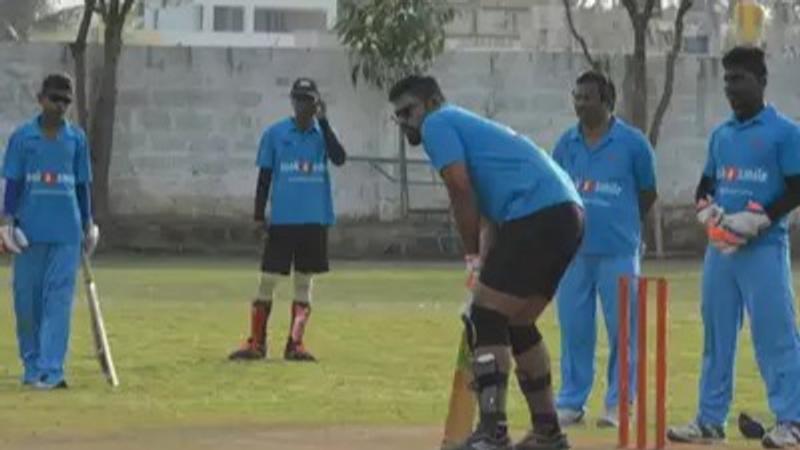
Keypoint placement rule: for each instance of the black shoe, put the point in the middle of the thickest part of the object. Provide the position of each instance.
(249, 352)
(538, 441)
(750, 427)
(481, 440)
(297, 352)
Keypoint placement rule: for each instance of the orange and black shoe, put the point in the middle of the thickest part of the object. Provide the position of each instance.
(249, 351)
(256, 345)
(296, 351)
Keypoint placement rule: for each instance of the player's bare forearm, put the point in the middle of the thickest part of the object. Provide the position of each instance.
(488, 236)
(465, 209)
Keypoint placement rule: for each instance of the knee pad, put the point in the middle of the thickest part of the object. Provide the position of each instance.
(490, 383)
(491, 327)
(303, 283)
(266, 286)
(531, 385)
(523, 338)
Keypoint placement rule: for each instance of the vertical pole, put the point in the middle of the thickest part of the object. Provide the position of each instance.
(623, 337)
(403, 174)
(641, 366)
(661, 365)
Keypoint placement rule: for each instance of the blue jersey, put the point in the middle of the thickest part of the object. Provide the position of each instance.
(749, 161)
(48, 209)
(301, 185)
(609, 177)
(511, 176)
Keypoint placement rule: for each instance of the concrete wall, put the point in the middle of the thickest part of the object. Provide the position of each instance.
(189, 120)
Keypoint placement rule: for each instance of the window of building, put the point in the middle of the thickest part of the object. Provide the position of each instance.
(269, 21)
(228, 18)
(198, 18)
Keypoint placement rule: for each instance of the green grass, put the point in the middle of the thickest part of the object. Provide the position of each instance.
(386, 335)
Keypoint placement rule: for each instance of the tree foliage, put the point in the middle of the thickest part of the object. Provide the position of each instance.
(389, 39)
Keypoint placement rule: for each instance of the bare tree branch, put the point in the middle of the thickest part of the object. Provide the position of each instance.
(577, 36)
(672, 56)
(126, 7)
(103, 9)
(633, 11)
(648, 10)
(86, 21)
(78, 50)
(113, 9)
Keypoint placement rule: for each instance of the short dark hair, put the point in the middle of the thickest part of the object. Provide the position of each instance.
(422, 87)
(608, 92)
(751, 59)
(57, 81)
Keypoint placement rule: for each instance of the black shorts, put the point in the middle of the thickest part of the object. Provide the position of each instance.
(531, 254)
(305, 246)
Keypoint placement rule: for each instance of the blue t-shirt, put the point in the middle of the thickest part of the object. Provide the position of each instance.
(511, 176)
(301, 184)
(609, 177)
(749, 161)
(48, 210)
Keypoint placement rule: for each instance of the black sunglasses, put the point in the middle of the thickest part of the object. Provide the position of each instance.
(404, 112)
(303, 98)
(56, 98)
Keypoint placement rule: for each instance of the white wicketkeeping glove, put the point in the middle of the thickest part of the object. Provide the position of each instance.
(708, 212)
(13, 239)
(473, 269)
(748, 223)
(90, 238)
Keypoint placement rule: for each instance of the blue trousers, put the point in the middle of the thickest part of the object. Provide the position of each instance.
(44, 285)
(586, 277)
(756, 279)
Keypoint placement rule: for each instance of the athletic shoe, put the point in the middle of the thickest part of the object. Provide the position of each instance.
(297, 352)
(696, 433)
(610, 418)
(42, 385)
(568, 417)
(537, 441)
(750, 427)
(481, 440)
(249, 351)
(783, 435)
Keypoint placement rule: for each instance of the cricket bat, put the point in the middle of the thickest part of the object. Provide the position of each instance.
(101, 347)
(461, 411)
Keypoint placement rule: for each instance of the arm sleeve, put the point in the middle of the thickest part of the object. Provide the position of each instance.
(333, 147)
(442, 143)
(262, 193)
(83, 192)
(711, 166)
(13, 162)
(560, 151)
(266, 151)
(705, 188)
(644, 167)
(12, 194)
(707, 185)
(789, 159)
(83, 163)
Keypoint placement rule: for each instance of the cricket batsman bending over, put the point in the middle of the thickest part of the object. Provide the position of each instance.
(750, 183)
(492, 171)
(293, 158)
(47, 223)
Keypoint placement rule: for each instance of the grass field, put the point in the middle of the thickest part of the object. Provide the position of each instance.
(386, 335)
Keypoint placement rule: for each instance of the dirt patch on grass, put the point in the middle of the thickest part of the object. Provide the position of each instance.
(276, 438)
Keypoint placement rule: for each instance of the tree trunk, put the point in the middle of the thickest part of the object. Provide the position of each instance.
(78, 51)
(104, 115)
(639, 75)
